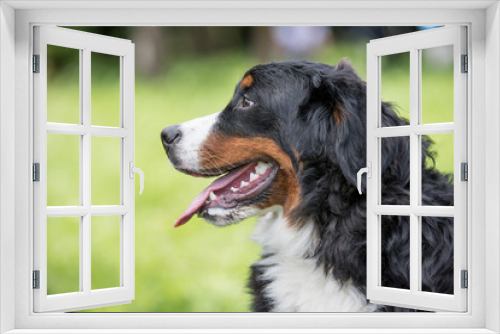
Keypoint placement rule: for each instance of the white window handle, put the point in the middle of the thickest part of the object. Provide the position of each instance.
(138, 171)
(368, 172)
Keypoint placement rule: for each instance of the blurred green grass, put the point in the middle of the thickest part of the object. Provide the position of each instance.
(198, 267)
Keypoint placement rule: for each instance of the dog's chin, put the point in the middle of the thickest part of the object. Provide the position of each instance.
(224, 217)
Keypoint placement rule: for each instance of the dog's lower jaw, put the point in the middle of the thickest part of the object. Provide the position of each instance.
(288, 278)
(223, 217)
(229, 216)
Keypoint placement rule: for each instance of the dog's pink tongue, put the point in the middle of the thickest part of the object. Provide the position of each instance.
(194, 206)
(199, 200)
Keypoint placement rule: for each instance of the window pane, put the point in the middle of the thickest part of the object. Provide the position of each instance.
(63, 170)
(106, 171)
(437, 254)
(63, 255)
(438, 171)
(63, 85)
(395, 232)
(395, 80)
(395, 170)
(105, 252)
(437, 85)
(105, 90)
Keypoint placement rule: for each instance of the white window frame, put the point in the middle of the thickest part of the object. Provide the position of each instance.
(16, 22)
(414, 44)
(85, 44)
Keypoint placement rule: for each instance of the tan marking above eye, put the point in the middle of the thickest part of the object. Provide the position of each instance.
(247, 81)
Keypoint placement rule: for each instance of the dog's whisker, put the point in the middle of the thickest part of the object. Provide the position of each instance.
(216, 157)
(214, 163)
(224, 160)
(215, 166)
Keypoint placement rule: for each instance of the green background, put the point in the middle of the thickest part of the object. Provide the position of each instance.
(198, 267)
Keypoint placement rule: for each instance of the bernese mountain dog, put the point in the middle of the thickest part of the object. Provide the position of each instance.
(287, 148)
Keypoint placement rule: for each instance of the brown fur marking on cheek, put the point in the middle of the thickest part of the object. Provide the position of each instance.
(247, 81)
(285, 192)
(221, 151)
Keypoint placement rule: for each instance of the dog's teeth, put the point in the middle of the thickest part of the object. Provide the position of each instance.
(234, 189)
(262, 167)
(212, 196)
(253, 177)
(244, 184)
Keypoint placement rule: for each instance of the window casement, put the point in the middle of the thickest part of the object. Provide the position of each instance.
(84, 212)
(415, 210)
(483, 22)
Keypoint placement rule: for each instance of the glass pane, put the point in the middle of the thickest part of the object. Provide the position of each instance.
(63, 170)
(105, 252)
(395, 170)
(105, 89)
(106, 171)
(395, 87)
(63, 255)
(437, 254)
(63, 85)
(437, 85)
(437, 170)
(395, 247)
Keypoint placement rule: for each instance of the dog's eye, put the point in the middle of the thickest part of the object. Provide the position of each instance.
(246, 103)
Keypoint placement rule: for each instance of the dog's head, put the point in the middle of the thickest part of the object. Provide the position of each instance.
(293, 136)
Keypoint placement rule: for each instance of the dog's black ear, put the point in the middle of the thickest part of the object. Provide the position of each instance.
(344, 94)
(340, 100)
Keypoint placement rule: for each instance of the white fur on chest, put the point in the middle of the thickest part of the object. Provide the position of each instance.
(298, 284)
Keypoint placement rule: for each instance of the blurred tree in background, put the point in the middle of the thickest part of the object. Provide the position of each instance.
(157, 48)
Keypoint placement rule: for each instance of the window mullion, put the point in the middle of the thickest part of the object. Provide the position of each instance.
(420, 129)
(406, 210)
(417, 125)
(373, 183)
(415, 261)
(460, 155)
(80, 130)
(85, 242)
(127, 156)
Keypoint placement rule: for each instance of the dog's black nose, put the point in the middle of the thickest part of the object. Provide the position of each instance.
(170, 135)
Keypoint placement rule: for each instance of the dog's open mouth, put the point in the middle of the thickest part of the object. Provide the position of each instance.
(238, 185)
